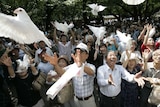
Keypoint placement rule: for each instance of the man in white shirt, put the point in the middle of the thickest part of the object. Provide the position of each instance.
(109, 78)
(64, 43)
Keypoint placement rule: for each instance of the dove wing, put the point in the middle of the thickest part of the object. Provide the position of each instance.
(152, 32)
(101, 8)
(71, 25)
(98, 32)
(94, 9)
(26, 60)
(94, 30)
(22, 31)
(61, 27)
(92, 6)
(122, 36)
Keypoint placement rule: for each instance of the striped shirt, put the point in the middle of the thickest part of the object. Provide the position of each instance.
(84, 85)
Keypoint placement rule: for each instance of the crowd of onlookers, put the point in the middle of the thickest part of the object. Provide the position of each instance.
(116, 73)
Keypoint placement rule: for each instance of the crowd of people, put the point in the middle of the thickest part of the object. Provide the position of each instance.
(115, 74)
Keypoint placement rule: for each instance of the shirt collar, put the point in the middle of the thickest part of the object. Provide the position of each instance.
(108, 68)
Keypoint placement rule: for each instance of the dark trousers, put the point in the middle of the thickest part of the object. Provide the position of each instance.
(110, 101)
(144, 94)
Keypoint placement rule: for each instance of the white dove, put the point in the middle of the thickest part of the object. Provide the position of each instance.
(123, 38)
(133, 2)
(23, 65)
(96, 8)
(99, 32)
(21, 28)
(64, 27)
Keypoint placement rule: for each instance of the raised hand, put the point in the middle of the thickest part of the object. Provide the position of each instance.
(110, 80)
(6, 60)
(51, 59)
(77, 57)
(152, 80)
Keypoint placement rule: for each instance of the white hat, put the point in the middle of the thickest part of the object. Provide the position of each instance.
(82, 46)
(132, 56)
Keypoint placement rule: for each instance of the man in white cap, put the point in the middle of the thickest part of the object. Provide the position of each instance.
(84, 82)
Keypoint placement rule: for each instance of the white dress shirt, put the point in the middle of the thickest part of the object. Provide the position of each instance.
(65, 49)
(117, 73)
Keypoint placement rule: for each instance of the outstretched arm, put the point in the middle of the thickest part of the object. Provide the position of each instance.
(54, 61)
(139, 79)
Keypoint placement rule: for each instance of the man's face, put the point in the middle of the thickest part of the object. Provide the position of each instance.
(103, 49)
(156, 57)
(42, 44)
(111, 58)
(63, 38)
(83, 55)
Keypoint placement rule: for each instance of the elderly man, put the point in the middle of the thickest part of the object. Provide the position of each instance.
(109, 78)
(152, 71)
(84, 83)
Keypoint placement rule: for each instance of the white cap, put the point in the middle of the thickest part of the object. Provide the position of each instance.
(82, 46)
(132, 56)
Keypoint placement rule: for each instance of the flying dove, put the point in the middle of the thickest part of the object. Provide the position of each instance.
(21, 28)
(99, 32)
(96, 8)
(64, 27)
(124, 39)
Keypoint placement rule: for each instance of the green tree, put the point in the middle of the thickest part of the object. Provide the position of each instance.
(44, 11)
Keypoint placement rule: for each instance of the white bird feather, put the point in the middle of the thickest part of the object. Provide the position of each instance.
(64, 27)
(133, 2)
(96, 8)
(152, 32)
(99, 32)
(21, 28)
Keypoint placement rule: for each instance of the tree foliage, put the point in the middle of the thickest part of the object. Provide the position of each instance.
(44, 11)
